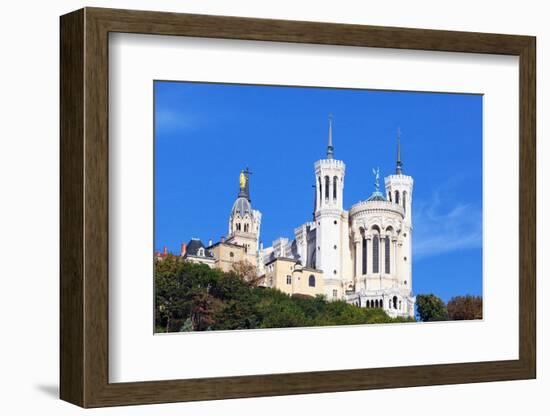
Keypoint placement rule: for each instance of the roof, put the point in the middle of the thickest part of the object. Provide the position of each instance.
(274, 259)
(241, 206)
(194, 246)
(225, 243)
(376, 196)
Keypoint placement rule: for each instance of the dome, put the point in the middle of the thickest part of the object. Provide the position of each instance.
(241, 207)
(376, 196)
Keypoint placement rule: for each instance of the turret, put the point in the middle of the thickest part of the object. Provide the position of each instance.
(331, 225)
(244, 222)
(399, 189)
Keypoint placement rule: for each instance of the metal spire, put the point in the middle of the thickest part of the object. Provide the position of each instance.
(399, 164)
(330, 148)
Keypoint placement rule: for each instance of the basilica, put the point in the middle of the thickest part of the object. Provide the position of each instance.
(362, 255)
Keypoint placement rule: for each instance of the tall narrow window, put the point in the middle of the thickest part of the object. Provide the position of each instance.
(375, 253)
(405, 200)
(327, 184)
(397, 197)
(387, 255)
(364, 263)
(320, 192)
(311, 280)
(334, 187)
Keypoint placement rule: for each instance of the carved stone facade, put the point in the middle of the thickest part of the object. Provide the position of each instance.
(363, 254)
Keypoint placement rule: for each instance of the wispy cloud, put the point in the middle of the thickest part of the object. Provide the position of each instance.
(169, 121)
(442, 227)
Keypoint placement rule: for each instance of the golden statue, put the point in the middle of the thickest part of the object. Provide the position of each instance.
(242, 180)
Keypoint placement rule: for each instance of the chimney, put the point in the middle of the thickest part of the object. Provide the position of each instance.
(222, 239)
(165, 250)
(183, 249)
(210, 243)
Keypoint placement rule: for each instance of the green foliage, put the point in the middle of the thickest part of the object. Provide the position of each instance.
(431, 308)
(194, 297)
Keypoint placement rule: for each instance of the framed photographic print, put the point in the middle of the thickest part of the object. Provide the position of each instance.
(255, 207)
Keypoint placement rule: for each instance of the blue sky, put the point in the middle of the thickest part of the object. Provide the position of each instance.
(206, 133)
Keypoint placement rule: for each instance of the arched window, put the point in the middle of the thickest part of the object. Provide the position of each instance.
(397, 197)
(320, 192)
(334, 187)
(327, 184)
(375, 254)
(376, 304)
(201, 252)
(238, 226)
(311, 280)
(387, 255)
(364, 265)
(246, 228)
(405, 200)
(395, 302)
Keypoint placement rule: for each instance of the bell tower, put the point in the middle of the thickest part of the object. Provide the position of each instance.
(329, 212)
(399, 190)
(244, 222)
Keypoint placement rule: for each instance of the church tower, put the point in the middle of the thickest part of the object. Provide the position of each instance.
(244, 222)
(399, 190)
(331, 221)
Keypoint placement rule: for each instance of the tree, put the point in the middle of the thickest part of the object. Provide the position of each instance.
(431, 308)
(465, 308)
(194, 297)
(247, 272)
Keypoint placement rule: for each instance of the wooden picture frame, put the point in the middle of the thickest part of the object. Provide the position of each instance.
(84, 207)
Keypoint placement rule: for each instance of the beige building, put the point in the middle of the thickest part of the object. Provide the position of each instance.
(226, 254)
(288, 276)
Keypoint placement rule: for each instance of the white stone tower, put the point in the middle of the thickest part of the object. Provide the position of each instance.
(244, 222)
(331, 220)
(399, 190)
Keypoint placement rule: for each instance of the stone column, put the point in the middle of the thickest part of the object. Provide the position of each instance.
(394, 257)
(358, 258)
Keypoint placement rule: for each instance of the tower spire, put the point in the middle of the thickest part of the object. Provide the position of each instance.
(399, 164)
(330, 148)
(244, 178)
